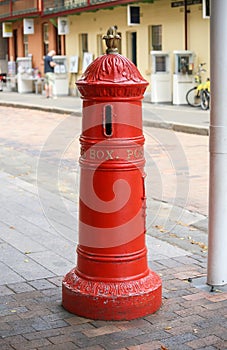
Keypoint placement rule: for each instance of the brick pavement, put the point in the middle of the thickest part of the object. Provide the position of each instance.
(36, 252)
(190, 317)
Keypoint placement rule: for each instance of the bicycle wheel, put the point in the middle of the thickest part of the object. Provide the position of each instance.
(193, 98)
(205, 100)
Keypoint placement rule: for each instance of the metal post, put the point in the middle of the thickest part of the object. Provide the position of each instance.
(217, 244)
(185, 25)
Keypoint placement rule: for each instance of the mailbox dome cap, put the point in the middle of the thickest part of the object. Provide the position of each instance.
(112, 75)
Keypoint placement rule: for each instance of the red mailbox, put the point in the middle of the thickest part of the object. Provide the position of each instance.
(112, 280)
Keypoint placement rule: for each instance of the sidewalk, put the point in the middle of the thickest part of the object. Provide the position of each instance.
(179, 118)
(38, 226)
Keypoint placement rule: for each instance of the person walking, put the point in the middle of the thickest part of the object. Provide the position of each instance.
(49, 65)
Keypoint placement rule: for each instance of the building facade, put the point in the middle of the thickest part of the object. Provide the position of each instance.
(75, 28)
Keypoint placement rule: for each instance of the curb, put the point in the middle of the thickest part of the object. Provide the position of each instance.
(40, 108)
(186, 128)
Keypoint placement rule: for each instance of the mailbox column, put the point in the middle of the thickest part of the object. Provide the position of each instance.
(112, 280)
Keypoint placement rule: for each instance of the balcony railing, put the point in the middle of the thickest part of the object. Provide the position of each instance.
(11, 9)
(54, 6)
(15, 8)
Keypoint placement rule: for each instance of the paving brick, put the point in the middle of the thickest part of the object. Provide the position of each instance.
(98, 347)
(199, 343)
(20, 287)
(209, 322)
(75, 320)
(101, 331)
(56, 280)
(214, 306)
(184, 328)
(5, 346)
(41, 325)
(55, 306)
(27, 296)
(178, 347)
(176, 284)
(15, 328)
(68, 346)
(185, 304)
(180, 339)
(7, 275)
(137, 323)
(190, 311)
(17, 339)
(219, 330)
(42, 334)
(171, 263)
(157, 319)
(53, 291)
(12, 308)
(9, 318)
(109, 344)
(208, 348)
(4, 290)
(42, 284)
(153, 335)
(218, 316)
(41, 312)
(196, 296)
(154, 345)
(102, 323)
(215, 298)
(22, 264)
(55, 263)
(83, 341)
(53, 317)
(186, 274)
(186, 260)
(77, 329)
(118, 336)
(79, 338)
(174, 293)
(28, 345)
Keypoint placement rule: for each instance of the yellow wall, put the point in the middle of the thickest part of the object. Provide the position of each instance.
(159, 12)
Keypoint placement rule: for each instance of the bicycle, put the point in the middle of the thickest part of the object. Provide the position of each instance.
(205, 95)
(199, 95)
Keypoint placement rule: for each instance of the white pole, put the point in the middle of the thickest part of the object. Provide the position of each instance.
(217, 241)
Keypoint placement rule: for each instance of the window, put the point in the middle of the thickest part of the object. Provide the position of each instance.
(101, 47)
(161, 64)
(3, 45)
(119, 43)
(206, 8)
(83, 48)
(155, 37)
(133, 15)
(45, 38)
(132, 46)
(25, 45)
(83, 40)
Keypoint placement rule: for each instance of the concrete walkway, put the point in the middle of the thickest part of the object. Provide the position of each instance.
(38, 226)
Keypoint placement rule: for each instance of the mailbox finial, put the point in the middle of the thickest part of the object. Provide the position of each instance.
(111, 39)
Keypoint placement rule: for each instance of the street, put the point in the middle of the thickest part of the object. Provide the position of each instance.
(176, 163)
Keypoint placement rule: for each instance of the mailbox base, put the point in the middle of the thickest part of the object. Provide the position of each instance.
(100, 300)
